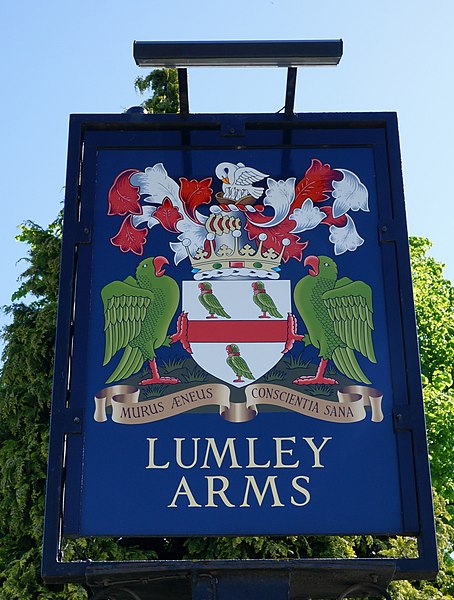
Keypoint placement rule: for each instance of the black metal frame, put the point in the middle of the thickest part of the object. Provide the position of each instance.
(289, 54)
(114, 592)
(279, 580)
(297, 578)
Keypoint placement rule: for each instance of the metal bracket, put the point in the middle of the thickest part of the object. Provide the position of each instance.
(73, 421)
(403, 418)
(204, 586)
(83, 234)
(217, 579)
(232, 126)
(386, 232)
(253, 53)
(290, 90)
(289, 96)
(115, 592)
(183, 91)
(365, 587)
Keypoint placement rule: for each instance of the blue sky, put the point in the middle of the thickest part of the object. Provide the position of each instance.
(59, 58)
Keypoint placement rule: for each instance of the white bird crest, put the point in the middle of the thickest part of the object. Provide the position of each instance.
(237, 180)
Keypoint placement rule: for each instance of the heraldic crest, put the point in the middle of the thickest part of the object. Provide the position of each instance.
(251, 297)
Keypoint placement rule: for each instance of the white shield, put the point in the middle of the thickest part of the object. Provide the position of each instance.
(260, 337)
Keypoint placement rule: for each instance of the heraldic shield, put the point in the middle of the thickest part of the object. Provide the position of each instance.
(237, 318)
(237, 329)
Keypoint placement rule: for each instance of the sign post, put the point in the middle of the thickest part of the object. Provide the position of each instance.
(236, 349)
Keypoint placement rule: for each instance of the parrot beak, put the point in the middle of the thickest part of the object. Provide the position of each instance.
(159, 262)
(314, 263)
(225, 180)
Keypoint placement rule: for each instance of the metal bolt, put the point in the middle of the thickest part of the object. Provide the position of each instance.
(384, 228)
(76, 420)
(232, 130)
(399, 417)
(86, 230)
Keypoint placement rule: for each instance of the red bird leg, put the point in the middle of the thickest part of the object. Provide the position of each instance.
(181, 334)
(211, 316)
(319, 376)
(264, 316)
(239, 380)
(292, 335)
(155, 377)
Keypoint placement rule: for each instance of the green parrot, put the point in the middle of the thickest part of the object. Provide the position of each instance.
(338, 317)
(264, 301)
(209, 301)
(237, 363)
(137, 316)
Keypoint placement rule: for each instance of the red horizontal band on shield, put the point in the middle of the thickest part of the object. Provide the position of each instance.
(237, 331)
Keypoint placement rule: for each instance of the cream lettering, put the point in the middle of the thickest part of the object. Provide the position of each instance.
(252, 464)
(316, 451)
(184, 490)
(151, 461)
(301, 490)
(287, 452)
(219, 458)
(280, 451)
(221, 492)
(260, 495)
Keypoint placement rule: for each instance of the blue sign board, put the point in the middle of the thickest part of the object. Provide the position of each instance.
(242, 354)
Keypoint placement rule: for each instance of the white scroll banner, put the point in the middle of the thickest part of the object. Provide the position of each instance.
(126, 408)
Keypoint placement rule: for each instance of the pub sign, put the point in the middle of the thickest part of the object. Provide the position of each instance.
(237, 352)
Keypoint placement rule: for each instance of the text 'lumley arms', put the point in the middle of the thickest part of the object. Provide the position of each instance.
(195, 453)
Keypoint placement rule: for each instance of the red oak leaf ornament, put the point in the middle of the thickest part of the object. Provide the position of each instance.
(317, 183)
(130, 239)
(168, 215)
(193, 193)
(124, 197)
(276, 236)
(330, 220)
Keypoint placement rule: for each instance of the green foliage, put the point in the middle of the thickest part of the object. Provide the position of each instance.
(163, 83)
(25, 393)
(443, 586)
(434, 300)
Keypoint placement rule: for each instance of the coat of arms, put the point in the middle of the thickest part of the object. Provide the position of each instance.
(243, 327)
